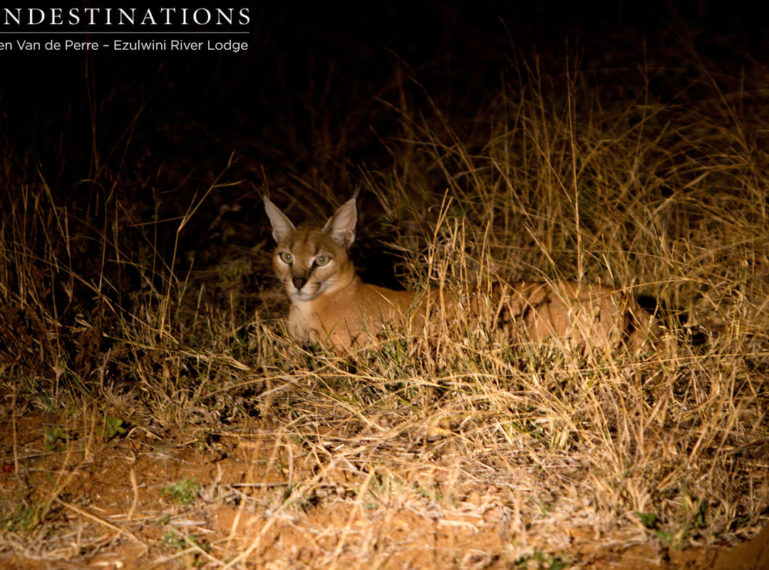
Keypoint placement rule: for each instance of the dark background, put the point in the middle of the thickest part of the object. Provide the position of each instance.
(307, 104)
(314, 61)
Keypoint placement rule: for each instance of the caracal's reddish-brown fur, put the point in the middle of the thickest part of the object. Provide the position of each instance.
(331, 305)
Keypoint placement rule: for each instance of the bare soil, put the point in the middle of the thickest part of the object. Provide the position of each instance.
(107, 504)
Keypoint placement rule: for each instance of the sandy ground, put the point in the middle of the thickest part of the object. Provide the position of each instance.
(108, 505)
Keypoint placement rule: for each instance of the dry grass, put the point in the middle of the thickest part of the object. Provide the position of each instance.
(471, 451)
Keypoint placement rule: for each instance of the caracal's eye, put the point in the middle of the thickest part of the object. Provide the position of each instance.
(286, 257)
(322, 260)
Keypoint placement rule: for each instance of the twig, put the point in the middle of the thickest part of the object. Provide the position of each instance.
(95, 518)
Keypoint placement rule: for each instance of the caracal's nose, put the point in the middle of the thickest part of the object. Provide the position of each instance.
(299, 282)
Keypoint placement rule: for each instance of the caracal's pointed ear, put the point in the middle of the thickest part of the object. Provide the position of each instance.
(341, 226)
(281, 225)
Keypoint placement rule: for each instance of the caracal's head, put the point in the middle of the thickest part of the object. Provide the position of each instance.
(313, 260)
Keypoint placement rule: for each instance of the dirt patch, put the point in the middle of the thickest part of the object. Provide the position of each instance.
(251, 498)
(753, 554)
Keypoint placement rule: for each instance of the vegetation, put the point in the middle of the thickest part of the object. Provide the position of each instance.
(155, 410)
